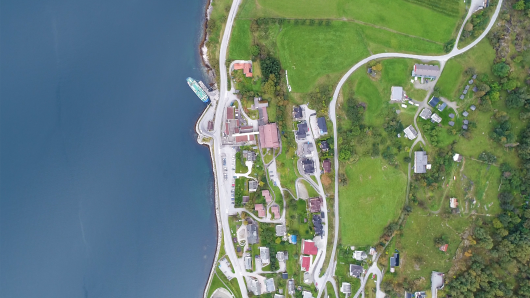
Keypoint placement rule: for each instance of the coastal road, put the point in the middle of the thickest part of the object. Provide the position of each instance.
(223, 194)
(442, 58)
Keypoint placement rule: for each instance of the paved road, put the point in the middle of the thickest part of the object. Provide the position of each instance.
(442, 59)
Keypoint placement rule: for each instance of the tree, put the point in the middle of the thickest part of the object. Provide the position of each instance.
(501, 69)
(448, 46)
(519, 5)
(269, 66)
(514, 101)
(255, 51)
(468, 27)
(510, 85)
(407, 159)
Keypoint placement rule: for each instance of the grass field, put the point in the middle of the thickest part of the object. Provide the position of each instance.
(399, 15)
(453, 80)
(373, 198)
(310, 190)
(240, 41)
(420, 255)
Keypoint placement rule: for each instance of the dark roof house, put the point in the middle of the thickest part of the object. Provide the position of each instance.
(298, 112)
(324, 146)
(301, 133)
(315, 204)
(322, 125)
(356, 270)
(434, 101)
(308, 165)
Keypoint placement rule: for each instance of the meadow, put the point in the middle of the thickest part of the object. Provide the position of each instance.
(374, 197)
(398, 15)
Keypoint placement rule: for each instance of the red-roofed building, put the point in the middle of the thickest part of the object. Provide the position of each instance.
(444, 247)
(315, 204)
(268, 136)
(306, 262)
(267, 195)
(230, 111)
(246, 67)
(309, 248)
(276, 211)
(260, 209)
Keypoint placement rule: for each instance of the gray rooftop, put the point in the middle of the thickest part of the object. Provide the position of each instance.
(420, 162)
(252, 234)
(426, 113)
(356, 270)
(426, 70)
(397, 93)
(451, 123)
(269, 285)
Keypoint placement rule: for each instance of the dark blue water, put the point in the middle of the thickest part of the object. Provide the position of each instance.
(103, 189)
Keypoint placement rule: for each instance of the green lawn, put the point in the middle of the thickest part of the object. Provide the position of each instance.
(453, 80)
(310, 52)
(240, 41)
(372, 199)
(398, 15)
(287, 171)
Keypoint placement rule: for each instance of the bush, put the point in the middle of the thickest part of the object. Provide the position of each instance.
(501, 69)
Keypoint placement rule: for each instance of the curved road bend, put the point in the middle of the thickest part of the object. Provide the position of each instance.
(332, 109)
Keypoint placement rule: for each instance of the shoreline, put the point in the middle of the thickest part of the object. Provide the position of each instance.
(203, 50)
(210, 74)
(210, 146)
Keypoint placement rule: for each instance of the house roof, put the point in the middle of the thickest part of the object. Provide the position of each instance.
(345, 288)
(248, 263)
(246, 67)
(451, 115)
(267, 195)
(464, 127)
(245, 199)
(315, 204)
(465, 113)
(324, 145)
(410, 132)
(308, 165)
(230, 111)
(252, 234)
(326, 164)
(264, 254)
(309, 248)
(434, 101)
(426, 70)
(322, 125)
(268, 136)
(317, 223)
(297, 112)
(275, 209)
(436, 118)
(396, 93)
(356, 270)
(472, 107)
(420, 162)
(442, 107)
(280, 230)
(393, 262)
(451, 123)
(426, 113)
(466, 121)
(301, 133)
(260, 209)
(269, 285)
(306, 263)
(444, 247)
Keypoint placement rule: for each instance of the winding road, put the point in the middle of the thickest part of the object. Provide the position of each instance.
(333, 116)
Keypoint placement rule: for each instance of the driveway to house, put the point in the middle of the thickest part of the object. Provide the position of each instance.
(441, 59)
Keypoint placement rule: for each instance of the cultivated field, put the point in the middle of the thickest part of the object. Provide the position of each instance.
(372, 199)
